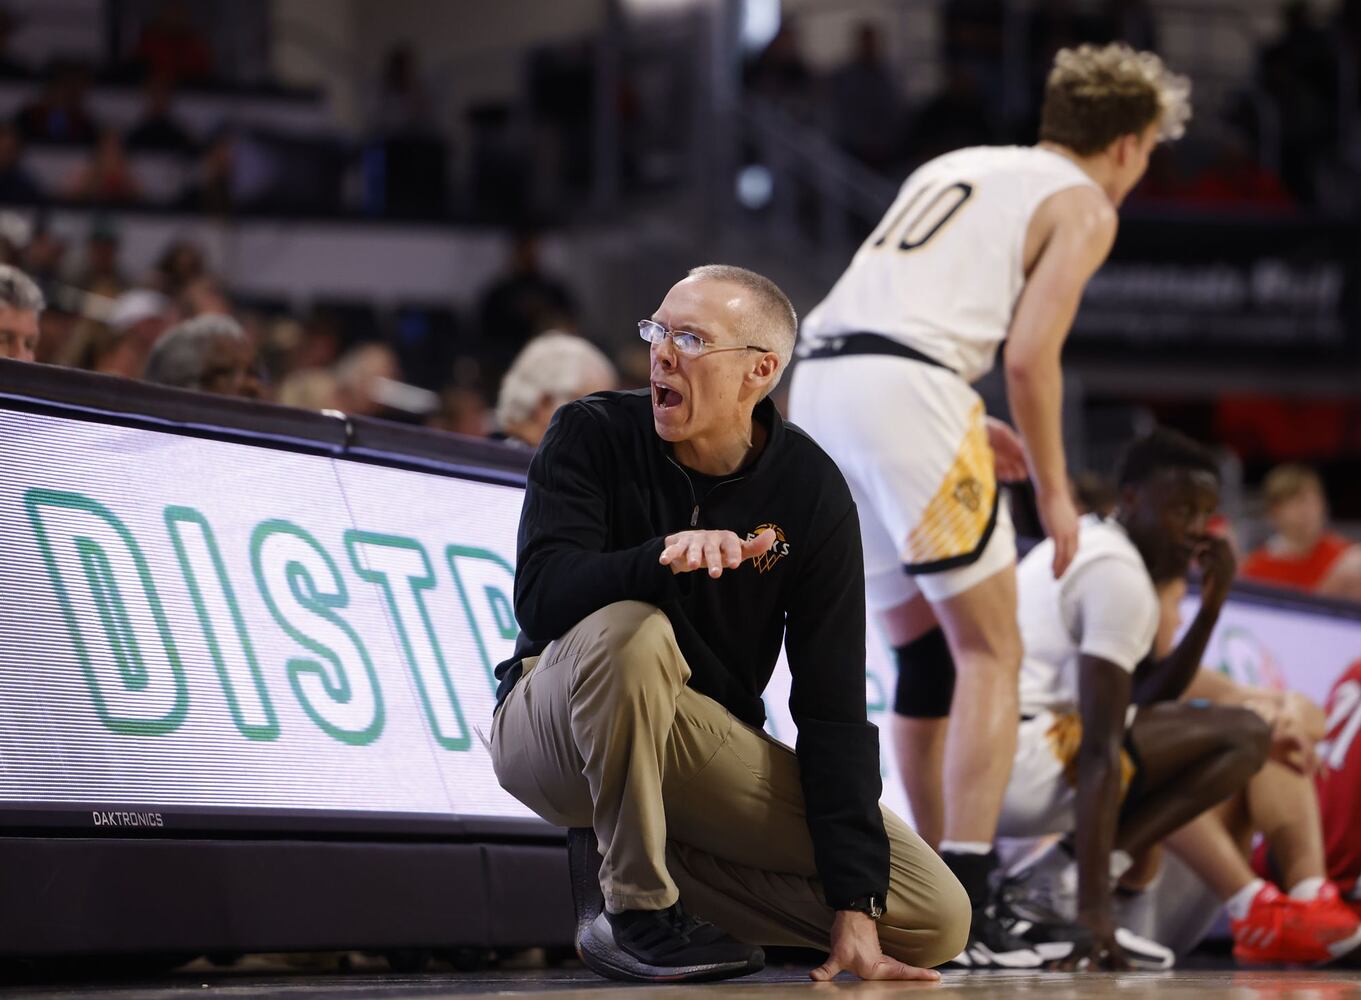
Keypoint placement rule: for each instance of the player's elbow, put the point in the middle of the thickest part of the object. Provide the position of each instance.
(1026, 369)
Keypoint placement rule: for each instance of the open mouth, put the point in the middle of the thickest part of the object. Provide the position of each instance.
(664, 397)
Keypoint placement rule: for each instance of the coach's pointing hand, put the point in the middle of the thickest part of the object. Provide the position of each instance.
(712, 550)
(855, 948)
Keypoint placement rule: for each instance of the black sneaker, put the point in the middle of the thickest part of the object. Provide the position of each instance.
(664, 946)
(646, 946)
(992, 946)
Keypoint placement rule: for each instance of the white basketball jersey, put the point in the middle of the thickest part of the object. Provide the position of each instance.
(943, 270)
(1104, 605)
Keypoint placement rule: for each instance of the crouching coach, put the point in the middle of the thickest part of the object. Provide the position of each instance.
(671, 540)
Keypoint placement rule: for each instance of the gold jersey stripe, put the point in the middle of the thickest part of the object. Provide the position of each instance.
(1065, 737)
(954, 521)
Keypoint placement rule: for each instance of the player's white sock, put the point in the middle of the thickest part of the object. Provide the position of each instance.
(964, 847)
(1306, 889)
(1241, 901)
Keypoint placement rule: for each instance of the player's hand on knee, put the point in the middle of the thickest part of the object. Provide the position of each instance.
(1008, 452)
(714, 551)
(855, 949)
(1099, 952)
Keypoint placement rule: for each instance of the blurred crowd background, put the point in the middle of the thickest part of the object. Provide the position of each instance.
(385, 203)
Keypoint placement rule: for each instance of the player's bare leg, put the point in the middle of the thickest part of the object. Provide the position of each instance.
(1283, 805)
(980, 745)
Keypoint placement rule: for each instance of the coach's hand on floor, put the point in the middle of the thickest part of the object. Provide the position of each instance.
(712, 550)
(855, 948)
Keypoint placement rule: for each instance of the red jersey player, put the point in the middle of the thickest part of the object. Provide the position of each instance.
(1339, 784)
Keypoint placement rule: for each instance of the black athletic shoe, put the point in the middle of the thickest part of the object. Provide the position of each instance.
(993, 946)
(659, 946)
(664, 946)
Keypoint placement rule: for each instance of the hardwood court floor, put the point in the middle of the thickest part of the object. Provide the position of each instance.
(572, 984)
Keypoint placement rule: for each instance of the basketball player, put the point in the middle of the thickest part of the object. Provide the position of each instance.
(1086, 763)
(982, 245)
(1339, 785)
(1287, 913)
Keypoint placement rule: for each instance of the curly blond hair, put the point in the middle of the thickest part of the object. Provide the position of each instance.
(1097, 93)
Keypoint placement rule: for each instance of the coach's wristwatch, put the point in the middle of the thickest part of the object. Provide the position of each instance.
(871, 906)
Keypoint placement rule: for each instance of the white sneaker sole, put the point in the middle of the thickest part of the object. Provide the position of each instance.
(979, 956)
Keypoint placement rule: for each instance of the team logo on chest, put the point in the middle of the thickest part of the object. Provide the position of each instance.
(775, 553)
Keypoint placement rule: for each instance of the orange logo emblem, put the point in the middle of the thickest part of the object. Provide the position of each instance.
(775, 553)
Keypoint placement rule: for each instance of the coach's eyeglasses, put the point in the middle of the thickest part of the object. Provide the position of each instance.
(692, 345)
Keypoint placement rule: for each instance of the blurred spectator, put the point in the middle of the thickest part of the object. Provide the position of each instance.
(1303, 553)
(21, 303)
(361, 376)
(204, 296)
(954, 118)
(137, 320)
(107, 177)
(100, 272)
(522, 304)
(15, 233)
(402, 104)
(45, 255)
(59, 113)
(500, 164)
(562, 102)
(553, 369)
(1234, 179)
(1298, 71)
(463, 410)
(158, 128)
(310, 389)
(780, 75)
(180, 263)
(10, 68)
(171, 46)
(16, 183)
(213, 189)
(208, 354)
(865, 105)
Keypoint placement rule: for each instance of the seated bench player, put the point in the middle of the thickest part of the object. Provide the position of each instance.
(1086, 762)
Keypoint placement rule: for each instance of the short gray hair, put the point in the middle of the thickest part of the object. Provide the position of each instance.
(775, 320)
(19, 291)
(557, 365)
(181, 352)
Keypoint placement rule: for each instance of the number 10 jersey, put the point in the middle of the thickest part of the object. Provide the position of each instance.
(943, 271)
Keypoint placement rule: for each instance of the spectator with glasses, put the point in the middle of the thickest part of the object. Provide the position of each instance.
(671, 540)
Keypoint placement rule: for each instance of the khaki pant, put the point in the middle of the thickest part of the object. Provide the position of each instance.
(602, 732)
